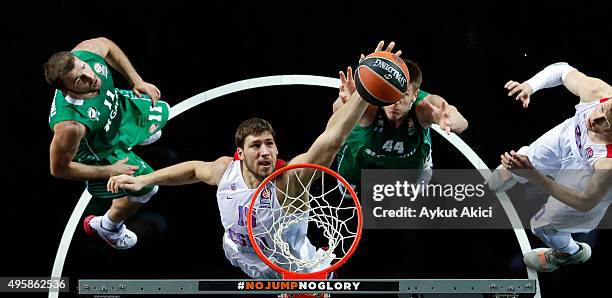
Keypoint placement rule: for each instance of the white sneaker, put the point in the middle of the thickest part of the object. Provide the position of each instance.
(548, 259)
(120, 239)
(501, 179)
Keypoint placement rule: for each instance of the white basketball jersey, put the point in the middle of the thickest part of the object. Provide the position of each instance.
(589, 152)
(575, 153)
(234, 199)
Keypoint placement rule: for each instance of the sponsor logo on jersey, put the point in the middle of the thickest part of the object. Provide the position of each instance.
(266, 194)
(578, 135)
(153, 128)
(101, 69)
(93, 114)
(589, 152)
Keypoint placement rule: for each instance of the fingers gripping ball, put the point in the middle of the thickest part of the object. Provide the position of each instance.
(382, 78)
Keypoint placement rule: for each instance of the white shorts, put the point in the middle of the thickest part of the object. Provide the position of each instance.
(552, 155)
(253, 266)
(257, 270)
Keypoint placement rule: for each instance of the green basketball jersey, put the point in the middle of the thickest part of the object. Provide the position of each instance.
(382, 146)
(100, 114)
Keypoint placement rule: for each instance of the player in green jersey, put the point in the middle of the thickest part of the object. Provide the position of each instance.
(395, 136)
(95, 126)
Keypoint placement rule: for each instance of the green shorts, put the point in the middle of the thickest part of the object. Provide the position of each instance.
(97, 188)
(140, 121)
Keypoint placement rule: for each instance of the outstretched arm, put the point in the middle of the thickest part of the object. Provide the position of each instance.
(587, 88)
(596, 189)
(325, 147)
(179, 174)
(322, 152)
(119, 61)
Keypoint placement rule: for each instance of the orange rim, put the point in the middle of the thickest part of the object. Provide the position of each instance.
(296, 275)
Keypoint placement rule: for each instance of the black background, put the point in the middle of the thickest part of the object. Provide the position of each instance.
(466, 51)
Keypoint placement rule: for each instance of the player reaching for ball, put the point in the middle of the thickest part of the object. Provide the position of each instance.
(238, 177)
(396, 135)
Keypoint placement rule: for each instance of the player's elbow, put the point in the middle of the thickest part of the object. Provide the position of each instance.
(586, 204)
(59, 170)
(102, 40)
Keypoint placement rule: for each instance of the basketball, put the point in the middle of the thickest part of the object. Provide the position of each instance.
(382, 78)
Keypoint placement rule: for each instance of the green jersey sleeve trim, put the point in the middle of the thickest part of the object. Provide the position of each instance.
(66, 112)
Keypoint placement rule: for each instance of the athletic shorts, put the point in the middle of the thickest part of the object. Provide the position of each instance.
(97, 188)
(140, 121)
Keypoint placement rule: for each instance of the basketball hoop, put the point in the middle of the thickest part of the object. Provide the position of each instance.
(328, 212)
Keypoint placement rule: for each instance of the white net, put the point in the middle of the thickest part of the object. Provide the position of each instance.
(313, 229)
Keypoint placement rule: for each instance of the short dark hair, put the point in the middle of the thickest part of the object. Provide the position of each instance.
(57, 67)
(253, 126)
(416, 76)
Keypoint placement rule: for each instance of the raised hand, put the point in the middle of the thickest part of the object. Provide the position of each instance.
(441, 115)
(524, 91)
(149, 89)
(347, 85)
(379, 47)
(518, 164)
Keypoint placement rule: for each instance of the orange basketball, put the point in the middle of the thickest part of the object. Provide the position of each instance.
(382, 78)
